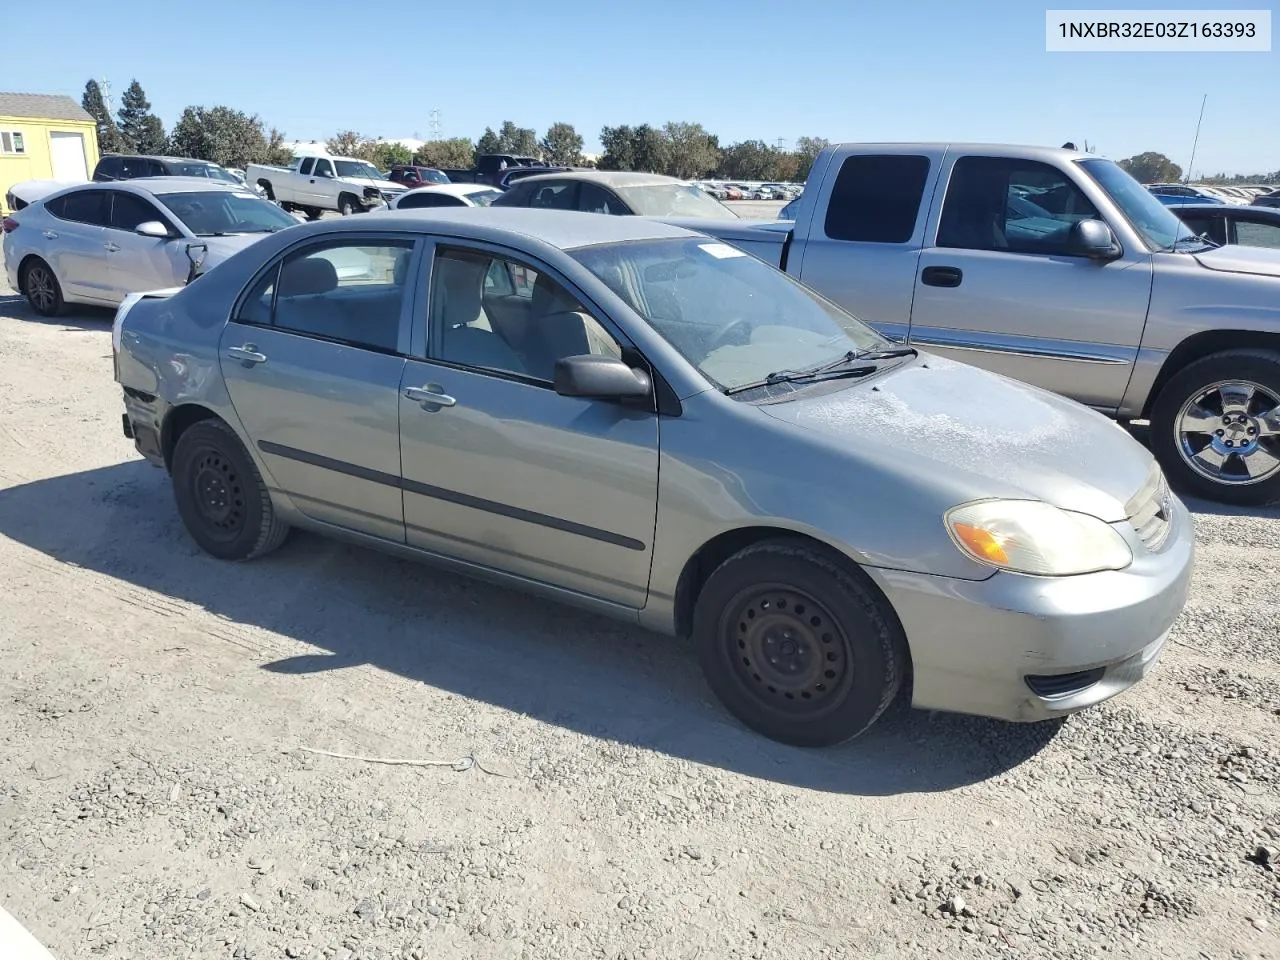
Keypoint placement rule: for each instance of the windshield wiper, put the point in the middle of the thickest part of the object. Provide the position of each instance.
(889, 353)
(1203, 240)
(803, 376)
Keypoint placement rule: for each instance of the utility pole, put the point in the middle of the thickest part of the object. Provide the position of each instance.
(105, 85)
(1187, 178)
(435, 123)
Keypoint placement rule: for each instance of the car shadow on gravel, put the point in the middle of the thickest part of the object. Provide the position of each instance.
(77, 316)
(581, 672)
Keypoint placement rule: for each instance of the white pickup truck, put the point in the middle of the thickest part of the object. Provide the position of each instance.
(1059, 269)
(316, 184)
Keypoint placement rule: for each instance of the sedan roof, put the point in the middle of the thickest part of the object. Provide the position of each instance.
(610, 178)
(565, 229)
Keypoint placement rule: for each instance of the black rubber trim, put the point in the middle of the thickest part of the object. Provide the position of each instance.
(450, 496)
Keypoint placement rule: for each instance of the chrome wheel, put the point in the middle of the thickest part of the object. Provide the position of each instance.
(1230, 433)
(41, 288)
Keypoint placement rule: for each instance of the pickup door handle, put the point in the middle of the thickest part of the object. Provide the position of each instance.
(941, 276)
(430, 395)
(248, 354)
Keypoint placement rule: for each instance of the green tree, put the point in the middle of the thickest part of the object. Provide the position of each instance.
(750, 160)
(650, 149)
(225, 136)
(276, 152)
(452, 154)
(562, 145)
(489, 142)
(1151, 167)
(384, 156)
(619, 148)
(138, 124)
(110, 139)
(519, 141)
(807, 150)
(693, 151)
(346, 143)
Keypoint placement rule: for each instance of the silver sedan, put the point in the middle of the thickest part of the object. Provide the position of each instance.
(638, 419)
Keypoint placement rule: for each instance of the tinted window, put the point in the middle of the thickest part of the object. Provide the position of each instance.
(86, 206)
(108, 168)
(994, 203)
(593, 199)
(307, 164)
(1210, 227)
(131, 167)
(127, 211)
(876, 199)
(1257, 233)
(554, 195)
(493, 313)
(429, 200)
(323, 168)
(350, 292)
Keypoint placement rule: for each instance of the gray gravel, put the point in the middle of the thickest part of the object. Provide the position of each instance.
(156, 799)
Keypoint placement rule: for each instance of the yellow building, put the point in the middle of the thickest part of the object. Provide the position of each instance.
(44, 137)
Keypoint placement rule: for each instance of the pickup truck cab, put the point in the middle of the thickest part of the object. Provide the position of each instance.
(315, 184)
(1059, 269)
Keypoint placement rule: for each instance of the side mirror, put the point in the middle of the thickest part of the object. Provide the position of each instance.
(1094, 239)
(196, 253)
(600, 378)
(152, 228)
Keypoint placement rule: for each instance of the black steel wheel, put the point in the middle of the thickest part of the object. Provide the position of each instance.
(798, 644)
(41, 288)
(221, 497)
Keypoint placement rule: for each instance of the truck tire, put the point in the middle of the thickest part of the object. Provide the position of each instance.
(1215, 427)
(799, 647)
(266, 187)
(347, 205)
(313, 213)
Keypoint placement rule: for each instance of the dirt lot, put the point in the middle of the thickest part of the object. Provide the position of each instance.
(157, 799)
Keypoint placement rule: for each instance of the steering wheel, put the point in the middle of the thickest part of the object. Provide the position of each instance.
(734, 333)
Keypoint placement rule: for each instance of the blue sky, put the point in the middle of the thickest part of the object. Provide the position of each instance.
(908, 70)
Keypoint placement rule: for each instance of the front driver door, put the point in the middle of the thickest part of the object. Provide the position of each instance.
(1001, 289)
(313, 361)
(504, 472)
(135, 262)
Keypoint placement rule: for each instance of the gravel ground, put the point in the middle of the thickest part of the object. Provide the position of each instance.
(158, 796)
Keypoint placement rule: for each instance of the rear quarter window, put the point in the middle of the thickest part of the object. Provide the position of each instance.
(876, 198)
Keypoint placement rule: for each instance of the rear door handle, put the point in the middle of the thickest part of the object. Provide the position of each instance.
(430, 395)
(248, 354)
(111, 246)
(50, 235)
(941, 276)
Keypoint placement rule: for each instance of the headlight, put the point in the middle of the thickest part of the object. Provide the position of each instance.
(1032, 537)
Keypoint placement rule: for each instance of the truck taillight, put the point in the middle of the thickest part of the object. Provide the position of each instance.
(8, 224)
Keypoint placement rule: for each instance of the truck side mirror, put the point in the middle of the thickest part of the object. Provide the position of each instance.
(1095, 240)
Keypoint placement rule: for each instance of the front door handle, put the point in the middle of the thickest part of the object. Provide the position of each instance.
(111, 246)
(941, 276)
(248, 354)
(430, 395)
(50, 235)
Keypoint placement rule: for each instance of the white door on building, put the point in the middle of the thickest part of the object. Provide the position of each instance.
(66, 151)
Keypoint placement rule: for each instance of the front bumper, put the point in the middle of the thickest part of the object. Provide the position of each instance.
(1031, 648)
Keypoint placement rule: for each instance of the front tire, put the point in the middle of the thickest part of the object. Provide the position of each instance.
(41, 288)
(797, 646)
(347, 205)
(1215, 428)
(313, 213)
(221, 497)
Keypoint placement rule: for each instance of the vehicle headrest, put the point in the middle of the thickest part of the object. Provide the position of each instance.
(308, 276)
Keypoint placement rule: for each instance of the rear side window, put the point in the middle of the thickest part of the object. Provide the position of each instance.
(876, 199)
(86, 206)
(429, 200)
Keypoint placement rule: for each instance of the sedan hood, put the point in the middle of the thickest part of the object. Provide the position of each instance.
(220, 248)
(989, 435)
(1233, 258)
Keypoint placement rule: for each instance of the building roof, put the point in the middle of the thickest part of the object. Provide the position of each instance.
(42, 106)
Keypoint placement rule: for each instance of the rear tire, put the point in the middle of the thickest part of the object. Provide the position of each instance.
(267, 191)
(796, 645)
(41, 288)
(221, 497)
(1215, 428)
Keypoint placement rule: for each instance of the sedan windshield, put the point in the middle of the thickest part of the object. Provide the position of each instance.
(216, 213)
(1160, 228)
(733, 317)
(482, 198)
(674, 200)
(358, 168)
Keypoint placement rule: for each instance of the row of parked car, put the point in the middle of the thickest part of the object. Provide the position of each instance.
(1175, 193)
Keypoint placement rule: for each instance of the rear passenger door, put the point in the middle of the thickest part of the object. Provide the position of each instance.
(313, 359)
(865, 232)
(76, 244)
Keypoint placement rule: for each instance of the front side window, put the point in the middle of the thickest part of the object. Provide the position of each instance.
(108, 168)
(492, 313)
(128, 211)
(876, 199)
(324, 168)
(1257, 233)
(350, 292)
(1158, 226)
(215, 213)
(1019, 206)
(730, 315)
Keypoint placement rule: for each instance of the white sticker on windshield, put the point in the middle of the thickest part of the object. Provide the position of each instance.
(721, 251)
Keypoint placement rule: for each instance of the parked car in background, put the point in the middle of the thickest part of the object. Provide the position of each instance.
(490, 167)
(1059, 269)
(1177, 200)
(663, 429)
(733, 191)
(99, 242)
(715, 189)
(1271, 199)
(29, 191)
(447, 195)
(315, 184)
(614, 192)
(511, 175)
(1188, 192)
(1248, 226)
(411, 177)
(117, 166)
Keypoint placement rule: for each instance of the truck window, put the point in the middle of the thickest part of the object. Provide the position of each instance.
(323, 168)
(876, 199)
(307, 164)
(1022, 206)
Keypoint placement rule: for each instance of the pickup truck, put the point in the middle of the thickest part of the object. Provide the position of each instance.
(490, 167)
(316, 184)
(1059, 269)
